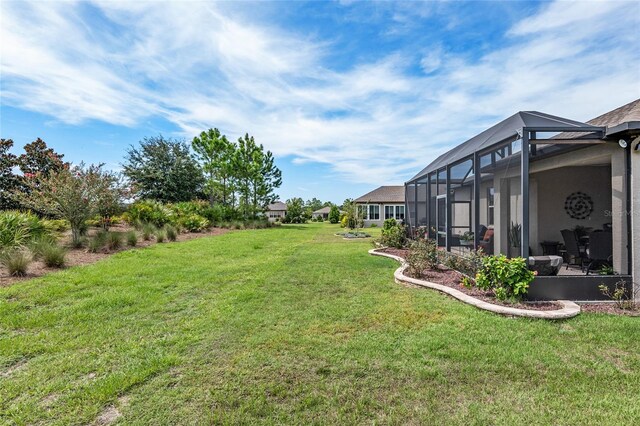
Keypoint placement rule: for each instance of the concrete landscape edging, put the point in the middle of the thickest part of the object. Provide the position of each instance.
(568, 310)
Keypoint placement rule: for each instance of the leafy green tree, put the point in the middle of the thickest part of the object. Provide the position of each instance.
(215, 152)
(164, 170)
(74, 194)
(295, 211)
(334, 214)
(9, 182)
(38, 158)
(314, 204)
(256, 176)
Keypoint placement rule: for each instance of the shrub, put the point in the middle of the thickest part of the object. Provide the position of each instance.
(75, 194)
(194, 223)
(149, 211)
(393, 234)
(114, 240)
(16, 261)
(619, 294)
(98, 241)
(160, 235)
(53, 255)
(373, 225)
(423, 255)
(19, 228)
(148, 229)
(57, 225)
(132, 239)
(172, 234)
(469, 264)
(509, 279)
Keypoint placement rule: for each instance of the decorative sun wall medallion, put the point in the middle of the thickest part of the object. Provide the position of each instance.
(578, 205)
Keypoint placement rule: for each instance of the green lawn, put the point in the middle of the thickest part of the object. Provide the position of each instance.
(294, 325)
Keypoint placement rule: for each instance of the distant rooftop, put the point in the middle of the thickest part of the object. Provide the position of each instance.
(384, 194)
(278, 205)
(324, 210)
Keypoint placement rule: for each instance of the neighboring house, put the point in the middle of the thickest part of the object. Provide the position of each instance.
(386, 202)
(323, 212)
(575, 194)
(276, 211)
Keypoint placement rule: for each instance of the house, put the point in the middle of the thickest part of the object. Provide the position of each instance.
(323, 213)
(545, 186)
(276, 211)
(385, 202)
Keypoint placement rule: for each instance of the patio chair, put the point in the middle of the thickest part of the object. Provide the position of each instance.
(573, 248)
(487, 242)
(600, 249)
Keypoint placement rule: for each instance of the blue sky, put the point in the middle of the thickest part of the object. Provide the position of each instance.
(348, 95)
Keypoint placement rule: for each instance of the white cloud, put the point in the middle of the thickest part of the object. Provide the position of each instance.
(199, 66)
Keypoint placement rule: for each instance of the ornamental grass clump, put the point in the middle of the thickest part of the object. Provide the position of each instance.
(148, 230)
(132, 239)
(172, 234)
(16, 261)
(53, 255)
(160, 235)
(509, 279)
(114, 240)
(98, 242)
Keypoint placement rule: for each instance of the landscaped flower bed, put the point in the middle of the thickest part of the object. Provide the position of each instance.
(354, 234)
(453, 279)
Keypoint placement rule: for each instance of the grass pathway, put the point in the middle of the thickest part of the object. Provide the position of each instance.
(294, 325)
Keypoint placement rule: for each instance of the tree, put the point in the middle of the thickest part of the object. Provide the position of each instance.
(111, 192)
(256, 176)
(9, 182)
(164, 170)
(354, 215)
(314, 204)
(74, 194)
(334, 214)
(295, 211)
(215, 153)
(38, 158)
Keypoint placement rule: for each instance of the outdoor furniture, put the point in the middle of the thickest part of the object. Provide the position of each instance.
(600, 249)
(550, 248)
(545, 265)
(487, 242)
(573, 248)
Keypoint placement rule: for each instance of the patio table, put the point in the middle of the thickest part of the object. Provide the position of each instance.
(545, 265)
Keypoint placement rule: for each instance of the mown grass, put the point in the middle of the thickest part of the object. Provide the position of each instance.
(294, 325)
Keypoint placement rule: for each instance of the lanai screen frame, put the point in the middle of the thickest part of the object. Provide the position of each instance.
(528, 137)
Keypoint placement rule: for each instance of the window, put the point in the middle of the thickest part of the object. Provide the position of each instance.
(490, 201)
(374, 212)
(388, 212)
(400, 212)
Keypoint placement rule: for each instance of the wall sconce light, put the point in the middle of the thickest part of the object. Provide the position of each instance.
(623, 143)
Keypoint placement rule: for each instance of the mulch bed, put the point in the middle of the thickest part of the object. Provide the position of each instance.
(81, 256)
(609, 308)
(452, 278)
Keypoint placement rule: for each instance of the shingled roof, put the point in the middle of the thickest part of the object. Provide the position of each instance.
(324, 210)
(278, 205)
(620, 119)
(384, 194)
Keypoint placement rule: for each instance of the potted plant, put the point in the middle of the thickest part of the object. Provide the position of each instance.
(515, 231)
